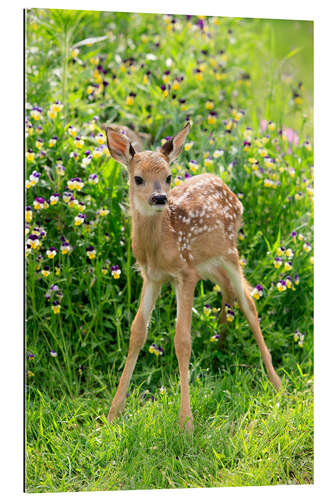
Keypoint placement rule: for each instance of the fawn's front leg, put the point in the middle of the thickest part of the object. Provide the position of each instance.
(184, 293)
(149, 294)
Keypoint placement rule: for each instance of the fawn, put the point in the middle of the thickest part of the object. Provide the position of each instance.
(180, 236)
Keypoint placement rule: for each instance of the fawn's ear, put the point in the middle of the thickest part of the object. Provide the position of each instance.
(173, 147)
(119, 146)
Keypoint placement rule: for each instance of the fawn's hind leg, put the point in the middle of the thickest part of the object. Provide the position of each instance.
(228, 299)
(241, 289)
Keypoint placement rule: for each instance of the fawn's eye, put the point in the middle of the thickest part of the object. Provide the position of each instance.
(168, 179)
(138, 180)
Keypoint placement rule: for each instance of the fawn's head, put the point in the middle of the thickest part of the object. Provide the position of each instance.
(149, 171)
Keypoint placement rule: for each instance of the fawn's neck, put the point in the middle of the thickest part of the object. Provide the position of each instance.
(149, 235)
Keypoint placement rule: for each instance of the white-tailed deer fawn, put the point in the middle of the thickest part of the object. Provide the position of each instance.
(180, 236)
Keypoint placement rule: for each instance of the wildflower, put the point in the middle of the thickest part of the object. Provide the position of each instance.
(57, 270)
(34, 177)
(299, 338)
(293, 235)
(218, 153)
(85, 161)
(281, 286)
(100, 138)
(60, 169)
(36, 113)
(103, 212)
(45, 271)
(30, 155)
(65, 247)
(216, 288)
(154, 349)
(198, 75)
(193, 165)
(214, 338)
(130, 99)
(212, 117)
(73, 202)
(277, 262)
(162, 390)
(28, 214)
(53, 353)
(97, 153)
(288, 265)
(91, 252)
(51, 252)
(209, 105)
(230, 315)
(34, 242)
(66, 196)
(104, 270)
(81, 206)
(178, 180)
(40, 203)
(188, 146)
(78, 142)
(307, 247)
(31, 355)
(75, 184)
(288, 282)
(257, 292)
(56, 307)
(93, 179)
(289, 252)
(280, 251)
(79, 219)
(115, 271)
(300, 237)
(208, 161)
(298, 196)
(307, 145)
(53, 141)
(54, 198)
(241, 234)
(268, 182)
(207, 309)
(242, 262)
(30, 373)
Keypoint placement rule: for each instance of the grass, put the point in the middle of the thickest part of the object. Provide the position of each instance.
(245, 434)
(78, 314)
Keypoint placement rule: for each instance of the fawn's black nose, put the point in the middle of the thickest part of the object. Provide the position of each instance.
(159, 199)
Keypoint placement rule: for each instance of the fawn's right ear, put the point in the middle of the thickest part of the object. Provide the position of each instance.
(119, 146)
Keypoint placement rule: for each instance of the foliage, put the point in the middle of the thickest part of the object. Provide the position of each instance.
(154, 72)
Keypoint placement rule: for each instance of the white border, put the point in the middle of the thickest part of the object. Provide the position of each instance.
(11, 241)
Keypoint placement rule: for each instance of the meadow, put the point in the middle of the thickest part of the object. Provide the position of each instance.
(246, 86)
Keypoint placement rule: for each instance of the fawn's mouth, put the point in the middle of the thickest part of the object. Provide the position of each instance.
(158, 201)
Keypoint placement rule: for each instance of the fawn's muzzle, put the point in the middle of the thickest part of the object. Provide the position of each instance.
(158, 199)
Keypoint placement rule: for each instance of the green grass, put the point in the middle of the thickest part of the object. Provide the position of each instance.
(245, 434)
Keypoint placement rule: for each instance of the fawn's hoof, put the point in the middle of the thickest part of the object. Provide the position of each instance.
(113, 414)
(186, 424)
(276, 381)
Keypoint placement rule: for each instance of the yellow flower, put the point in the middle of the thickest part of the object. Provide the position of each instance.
(56, 308)
(52, 114)
(209, 105)
(129, 100)
(188, 146)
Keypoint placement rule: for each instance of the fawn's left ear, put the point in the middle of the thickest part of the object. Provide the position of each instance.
(119, 146)
(173, 147)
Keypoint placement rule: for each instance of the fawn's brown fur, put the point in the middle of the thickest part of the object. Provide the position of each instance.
(180, 236)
